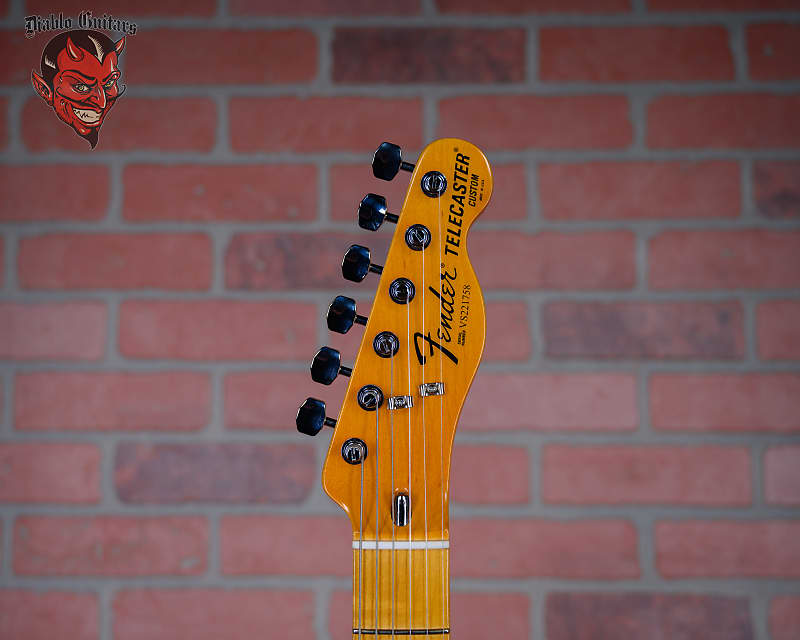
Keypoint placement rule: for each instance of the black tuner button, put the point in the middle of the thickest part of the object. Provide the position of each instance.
(372, 212)
(387, 161)
(311, 417)
(342, 315)
(326, 365)
(356, 264)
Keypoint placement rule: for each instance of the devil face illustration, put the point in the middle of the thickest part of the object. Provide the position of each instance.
(79, 79)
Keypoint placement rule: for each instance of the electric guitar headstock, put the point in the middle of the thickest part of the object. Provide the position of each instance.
(389, 458)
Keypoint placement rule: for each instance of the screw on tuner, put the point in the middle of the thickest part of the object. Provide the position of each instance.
(341, 315)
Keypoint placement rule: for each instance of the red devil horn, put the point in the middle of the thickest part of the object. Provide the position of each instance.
(74, 52)
(119, 45)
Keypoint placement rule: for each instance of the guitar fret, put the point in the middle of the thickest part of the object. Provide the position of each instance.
(388, 545)
(401, 632)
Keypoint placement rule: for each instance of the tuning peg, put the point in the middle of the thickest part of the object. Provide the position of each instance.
(342, 315)
(372, 212)
(387, 161)
(311, 417)
(326, 365)
(356, 264)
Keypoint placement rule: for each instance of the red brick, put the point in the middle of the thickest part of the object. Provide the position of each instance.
(524, 548)
(722, 5)
(711, 330)
(510, 194)
(211, 614)
(728, 548)
(644, 616)
(54, 192)
(202, 193)
(35, 615)
(323, 124)
(158, 124)
(224, 56)
(214, 472)
(216, 329)
(639, 190)
(4, 7)
(725, 402)
(707, 475)
(110, 545)
(634, 54)
(778, 324)
(532, 121)
(752, 258)
(554, 260)
(508, 336)
(782, 475)
(111, 401)
(21, 54)
(267, 399)
(784, 617)
(128, 8)
(283, 261)
(725, 121)
(473, 616)
(777, 189)
(2, 262)
(486, 474)
(3, 126)
(50, 473)
(115, 261)
(553, 402)
(56, 330)
(533, 6)
(773, 51)
(321, 7)
(298, 545)
(415, 55)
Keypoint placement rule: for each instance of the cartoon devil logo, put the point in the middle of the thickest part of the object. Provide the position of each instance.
(80, 74)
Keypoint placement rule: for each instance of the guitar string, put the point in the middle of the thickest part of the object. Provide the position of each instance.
(441, 424)
(377, 512)
(391, 431)
(410, 501)
(361, 550)
(424, 458)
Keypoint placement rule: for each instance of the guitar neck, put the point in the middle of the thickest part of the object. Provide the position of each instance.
(403, 586)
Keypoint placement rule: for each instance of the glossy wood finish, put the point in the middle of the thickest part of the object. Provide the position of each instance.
(441, 334)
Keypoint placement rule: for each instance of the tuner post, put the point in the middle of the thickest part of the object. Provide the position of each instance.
(342, 315)
(311, 417)
(372, 212)
(356, 264)
(326, 365)
(387, 161)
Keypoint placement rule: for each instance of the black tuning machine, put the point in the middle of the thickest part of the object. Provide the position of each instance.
(387, 161)
(356, 264)
(342, 314)
(311, 417)
(326, 365)
(372, 212)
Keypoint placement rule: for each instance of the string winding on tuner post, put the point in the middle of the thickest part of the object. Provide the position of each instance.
(388, 462)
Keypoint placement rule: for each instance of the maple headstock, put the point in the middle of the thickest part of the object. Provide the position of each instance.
(420, 350)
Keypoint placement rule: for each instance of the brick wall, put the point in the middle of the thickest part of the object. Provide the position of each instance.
(628, 463)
